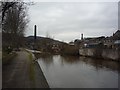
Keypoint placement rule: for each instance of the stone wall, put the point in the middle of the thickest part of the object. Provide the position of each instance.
(101, 53)
(111, 54)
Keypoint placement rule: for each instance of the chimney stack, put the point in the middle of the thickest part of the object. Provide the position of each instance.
(35, 27)
(82, 36)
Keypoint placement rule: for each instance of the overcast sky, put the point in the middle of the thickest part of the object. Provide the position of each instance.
(65, 21)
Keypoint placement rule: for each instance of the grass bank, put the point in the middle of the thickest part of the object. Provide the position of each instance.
(31, 70)
(36, 75)
(7, 58)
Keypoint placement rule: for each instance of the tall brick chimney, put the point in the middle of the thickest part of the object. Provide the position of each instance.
(35, 27)
(82, 36)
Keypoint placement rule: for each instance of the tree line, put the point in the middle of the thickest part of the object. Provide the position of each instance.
(14, 22)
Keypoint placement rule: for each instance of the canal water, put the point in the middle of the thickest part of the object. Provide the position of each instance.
(79, 72)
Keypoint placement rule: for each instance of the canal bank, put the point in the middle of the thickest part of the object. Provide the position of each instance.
(40, 80)
(23, 72)
(110, 54)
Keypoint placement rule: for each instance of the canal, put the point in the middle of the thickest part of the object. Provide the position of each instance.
(79, 72)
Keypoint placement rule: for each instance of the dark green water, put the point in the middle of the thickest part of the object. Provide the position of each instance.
(79, 72)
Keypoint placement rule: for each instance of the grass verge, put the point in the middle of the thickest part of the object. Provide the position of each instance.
(6, 58)
(32, 70)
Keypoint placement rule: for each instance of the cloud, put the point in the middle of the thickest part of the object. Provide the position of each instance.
(67, 20)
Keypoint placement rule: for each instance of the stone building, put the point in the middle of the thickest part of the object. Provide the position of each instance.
(116, 35)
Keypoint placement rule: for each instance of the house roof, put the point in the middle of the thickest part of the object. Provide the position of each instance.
(116, 35)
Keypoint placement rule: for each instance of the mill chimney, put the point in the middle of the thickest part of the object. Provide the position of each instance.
(35, 27)
(82, 36)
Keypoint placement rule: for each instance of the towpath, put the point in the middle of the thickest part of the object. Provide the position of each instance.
(21, 72)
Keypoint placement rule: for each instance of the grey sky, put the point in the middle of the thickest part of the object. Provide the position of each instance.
(65, 21)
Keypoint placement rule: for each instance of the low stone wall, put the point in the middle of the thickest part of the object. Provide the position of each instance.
(101, 53)
(111, 54)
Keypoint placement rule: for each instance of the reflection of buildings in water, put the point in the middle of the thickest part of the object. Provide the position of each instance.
(100, 63)
(47, 59)
(97, 63)
(70, 59)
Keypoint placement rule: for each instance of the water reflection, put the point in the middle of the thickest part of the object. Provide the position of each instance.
(101, 64)
(79, 72)
(70, 59)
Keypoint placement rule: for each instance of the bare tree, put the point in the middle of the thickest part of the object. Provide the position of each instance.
(5, 7)
(14, 23)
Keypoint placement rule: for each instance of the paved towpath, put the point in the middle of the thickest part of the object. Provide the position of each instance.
(17, 74)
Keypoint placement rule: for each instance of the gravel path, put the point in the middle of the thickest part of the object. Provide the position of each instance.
(17, 73)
